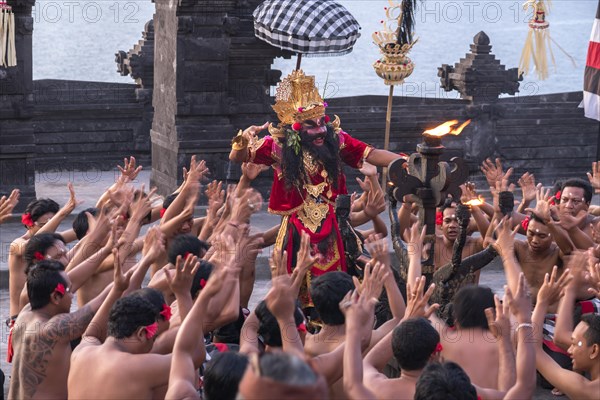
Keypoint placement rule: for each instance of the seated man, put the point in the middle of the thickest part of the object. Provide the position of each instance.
(470, 342)
(124, 368)
(413, 343)
(584, 349)
(444, 381)
(43, 331)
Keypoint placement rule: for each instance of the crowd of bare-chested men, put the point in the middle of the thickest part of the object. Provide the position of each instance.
(163, 295)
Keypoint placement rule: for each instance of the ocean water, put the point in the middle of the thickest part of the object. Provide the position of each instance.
(75, 39)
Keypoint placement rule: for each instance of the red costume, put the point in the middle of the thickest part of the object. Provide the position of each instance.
(309, 209)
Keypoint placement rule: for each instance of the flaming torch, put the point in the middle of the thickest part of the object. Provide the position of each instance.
(429, 179)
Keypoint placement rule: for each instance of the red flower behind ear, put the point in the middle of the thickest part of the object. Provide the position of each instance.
(27, 220)
(438, 348)
(38, 256)
(151, 330)
(439, 218)
(327, 119)
(525, 222)
(558, 195)
(166, 312)
(162, 212)
(60, 288)
(202, 283)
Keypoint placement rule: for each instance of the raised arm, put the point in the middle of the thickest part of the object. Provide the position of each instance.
(189, 351)
(7, 204)
(356, 310)
(239, 144)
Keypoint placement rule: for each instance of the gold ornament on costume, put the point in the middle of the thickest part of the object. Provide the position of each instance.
(312, 214)
(297, 99)
(394, 66)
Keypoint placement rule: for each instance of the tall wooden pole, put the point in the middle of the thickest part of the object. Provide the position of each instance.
(386, 140)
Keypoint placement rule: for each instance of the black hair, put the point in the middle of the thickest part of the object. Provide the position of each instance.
(37, 208)
(169, 199)
(326, 292)
(80, 223)
(230, 333)
(534, 217)
(42, 280)
(448, 203)
(292, 164)
(592, 334)
(413, 343)
(469, 306)
(201, 277)
(269, 328)
(128, 314)
(180, 245)
(153, 296)
(39, 243)
(579, 183)
(223, 375)
(444, 381)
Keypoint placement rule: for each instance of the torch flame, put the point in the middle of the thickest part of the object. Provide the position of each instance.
(446, 128)
(475, 202)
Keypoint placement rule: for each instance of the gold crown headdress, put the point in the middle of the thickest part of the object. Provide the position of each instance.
(297, 99)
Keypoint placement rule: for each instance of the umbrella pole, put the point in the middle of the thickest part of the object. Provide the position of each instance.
(386, 140)
(298, 61)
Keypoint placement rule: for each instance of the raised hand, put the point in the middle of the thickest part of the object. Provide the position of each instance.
(251, 170)
(594, 177)
(247, 247)
(568, 221)
(468, 192)
(141, 206)
(375, 203)
(520, 303)
(279, 299)
(73, 202)
(553, 287)
(251, 132)
(197, 171)
(528, 188)
(375, 276)
(505, 241)
(368, 169)
(304, 261)
(129, 170)
(500, 323)
(378, 248)
(357, 309)
(7, 204)
(594, 271)
(121, 280)
(183, 277)
(278, 263)
(493, 172)
(417, 301)
(244, 205)
(542, 209)
(414, 239)
(154, 244)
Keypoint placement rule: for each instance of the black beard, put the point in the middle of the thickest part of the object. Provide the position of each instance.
(327, 154)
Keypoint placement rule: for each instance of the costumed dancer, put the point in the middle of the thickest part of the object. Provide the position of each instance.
(306, 150)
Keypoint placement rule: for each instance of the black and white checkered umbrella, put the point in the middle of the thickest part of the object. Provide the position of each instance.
(307, 27)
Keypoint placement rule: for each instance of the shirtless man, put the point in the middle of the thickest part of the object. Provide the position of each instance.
(329, 289)
(444, 243)
(471, 336)
(124, 367)
(40, 216)
(584, 349)
(43, 331)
